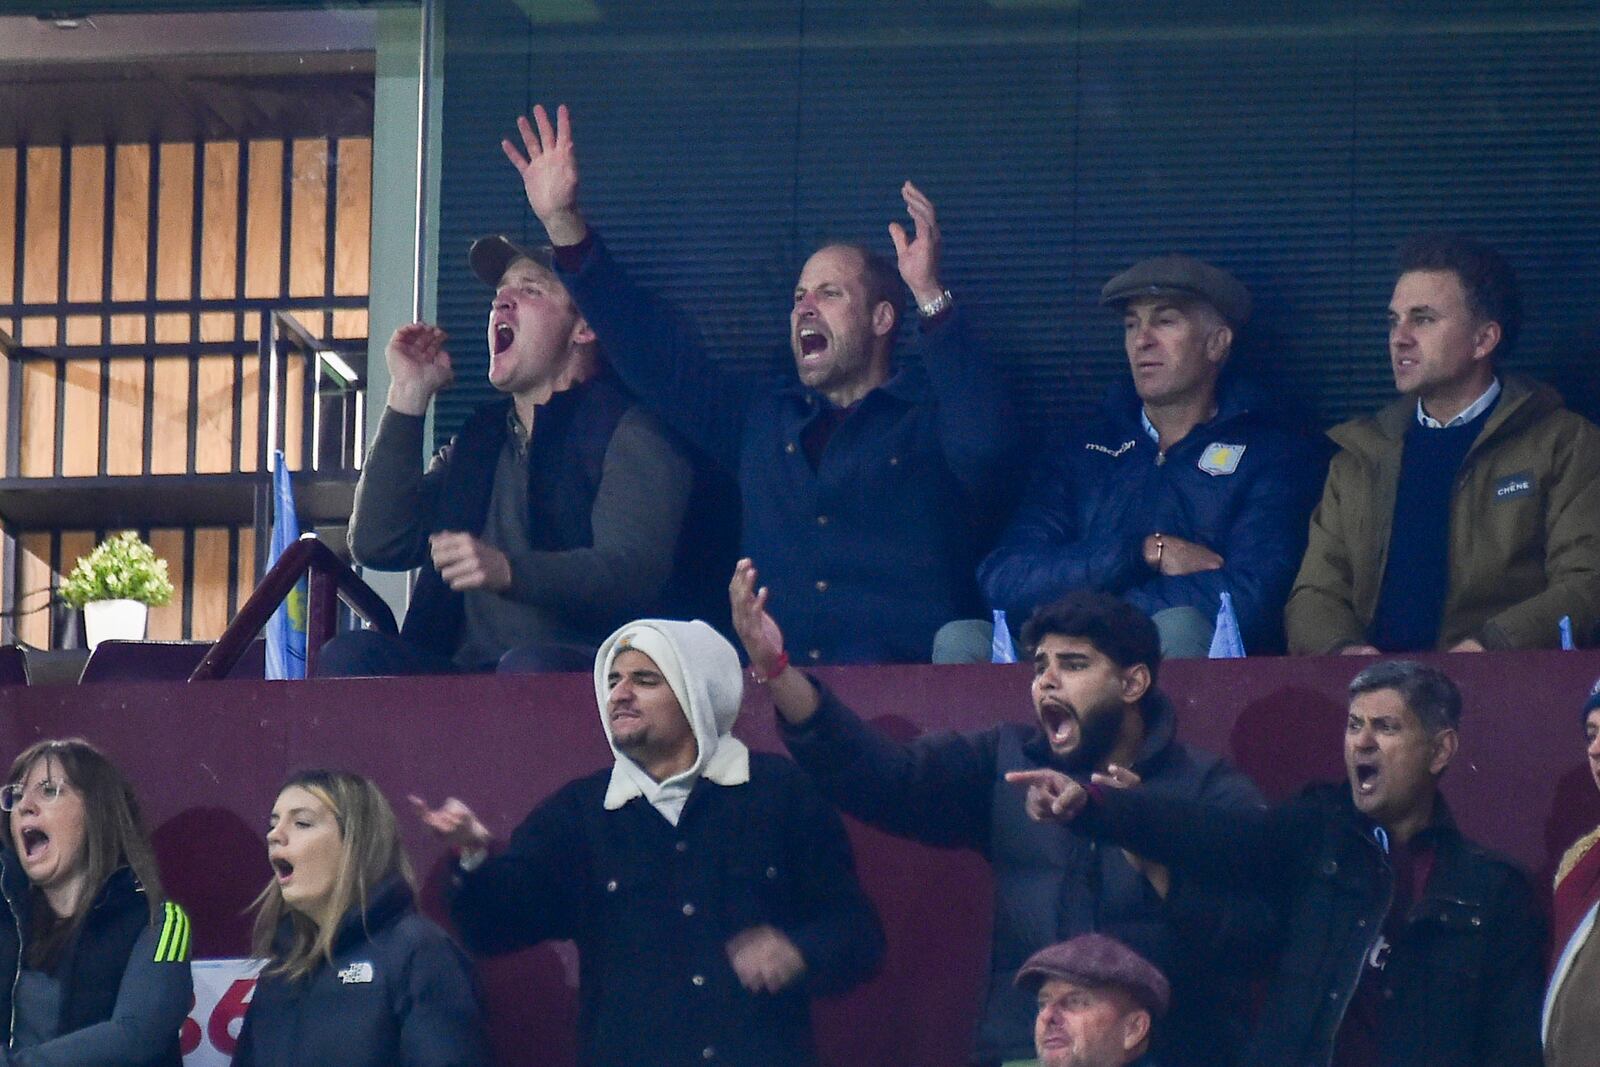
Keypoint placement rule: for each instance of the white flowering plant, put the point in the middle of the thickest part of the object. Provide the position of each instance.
(119, 568)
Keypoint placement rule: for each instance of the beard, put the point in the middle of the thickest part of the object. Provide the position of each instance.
(1099, 729)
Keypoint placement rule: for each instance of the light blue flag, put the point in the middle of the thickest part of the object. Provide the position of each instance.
(286, 630)
(1000, 648)
(1567, 643)
(1226, 642)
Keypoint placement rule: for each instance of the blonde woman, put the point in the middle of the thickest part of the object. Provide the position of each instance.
(354, 975)
(94, 962)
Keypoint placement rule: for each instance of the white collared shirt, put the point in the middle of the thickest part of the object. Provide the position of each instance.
(1470, 412)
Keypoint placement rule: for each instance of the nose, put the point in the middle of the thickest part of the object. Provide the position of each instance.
(1364, 739)
(1400, 335)
(805, 307)
(276, 836)
(1594, 747)
(620, 693)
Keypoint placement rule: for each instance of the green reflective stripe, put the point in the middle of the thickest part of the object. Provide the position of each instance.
(166, 933)
(174, 944)
(183, 946)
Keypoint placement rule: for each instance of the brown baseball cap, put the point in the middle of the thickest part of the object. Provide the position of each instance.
(1182, 276)
(1097, 960)
(490, 256)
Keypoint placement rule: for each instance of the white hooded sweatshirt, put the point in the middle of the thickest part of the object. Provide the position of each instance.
(703, 672)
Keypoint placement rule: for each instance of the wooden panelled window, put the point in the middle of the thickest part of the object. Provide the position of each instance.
(134, 281)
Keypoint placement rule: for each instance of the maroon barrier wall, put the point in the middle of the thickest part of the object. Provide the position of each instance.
(207, 758)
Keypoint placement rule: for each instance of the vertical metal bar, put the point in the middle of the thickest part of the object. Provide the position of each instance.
(322, 613)
(152, 242)
(241, 250)
(14, 364)
(63, 245)
(107, 241)
(424, 102)
(54, 583)
(330, 224)
(233, 571)
(196, 248)
(186, 628)
(11, 567)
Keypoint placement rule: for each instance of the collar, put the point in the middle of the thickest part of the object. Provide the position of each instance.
(1470, 412)
(1149, 427)
(729, 765)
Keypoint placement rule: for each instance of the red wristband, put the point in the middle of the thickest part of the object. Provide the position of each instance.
(777, 669)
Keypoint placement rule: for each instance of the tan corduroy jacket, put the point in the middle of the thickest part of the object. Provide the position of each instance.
(1524, 529)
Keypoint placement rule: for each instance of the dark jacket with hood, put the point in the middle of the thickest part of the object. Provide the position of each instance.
(1051, 882)
(1464, 978)
(125, 983)
(399, 993)
(1242, 485)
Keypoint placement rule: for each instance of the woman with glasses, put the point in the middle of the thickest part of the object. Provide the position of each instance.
(354, 975)
(94, 962)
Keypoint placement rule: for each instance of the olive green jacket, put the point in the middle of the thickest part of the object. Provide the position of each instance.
(1524, 529)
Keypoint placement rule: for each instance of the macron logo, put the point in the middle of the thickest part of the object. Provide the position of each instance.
(1519, 484)
(1112, 452)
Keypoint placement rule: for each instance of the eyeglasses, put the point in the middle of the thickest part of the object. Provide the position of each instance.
(47, 791)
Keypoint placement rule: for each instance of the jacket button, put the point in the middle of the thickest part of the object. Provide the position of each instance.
(698, 979)
(1475, 921)
(822, 585)
(1330, 867)
(611, 886)
(822, 520)
(1334, 995)
(814, 654)
(708, 1053)
(894, 461)
(688, 909)
(1361, 924)
(789, 448)
(682, 846)
(772, 872)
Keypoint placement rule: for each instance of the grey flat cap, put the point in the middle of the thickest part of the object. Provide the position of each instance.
(1185, 276)
(490, 256)
(1098, 960)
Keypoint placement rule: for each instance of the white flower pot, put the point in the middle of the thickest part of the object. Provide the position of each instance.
(121, 620)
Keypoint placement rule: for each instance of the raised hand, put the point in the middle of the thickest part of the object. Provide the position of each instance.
(550, 173)
(918, 254)
(1052, 796)
(467, 562)
(765, 959)
(419, 366)
(757, 630)
(452, 821)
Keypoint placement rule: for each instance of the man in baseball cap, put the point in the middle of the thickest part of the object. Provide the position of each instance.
(1186, 487)
(552, 515)
(1098, 1000)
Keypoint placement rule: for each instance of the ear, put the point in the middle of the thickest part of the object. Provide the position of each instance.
(1135, 683)
(1135, 1029)
(883, 319)
(1219, 344)
(1486, 340)
(1445, 744)
(582, 333)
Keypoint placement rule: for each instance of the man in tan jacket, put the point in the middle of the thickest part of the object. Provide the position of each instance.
(1466, 514)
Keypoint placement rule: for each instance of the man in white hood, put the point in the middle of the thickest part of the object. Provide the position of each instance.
(711, 890)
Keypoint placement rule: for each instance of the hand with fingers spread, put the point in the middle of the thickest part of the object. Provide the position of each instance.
(764, 958)
(550, 173)
(467, 562)
(453, 822)
(757, 630)
(1052, 796)
(918, 254)
(419, 366)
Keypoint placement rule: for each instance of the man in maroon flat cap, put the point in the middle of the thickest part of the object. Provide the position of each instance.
(1098, 1000)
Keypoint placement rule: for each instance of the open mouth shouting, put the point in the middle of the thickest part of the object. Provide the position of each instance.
(810, 342)
(501, 336)
(34, 842)
(1062, 725)
(283, 869)
(1365, 777)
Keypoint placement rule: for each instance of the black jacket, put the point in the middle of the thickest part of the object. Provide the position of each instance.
(652, 907)
(1052, 882)
(399, 993)
(125, 983)
(1463, 982)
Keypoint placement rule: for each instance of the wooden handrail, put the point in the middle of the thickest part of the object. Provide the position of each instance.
(329, 580)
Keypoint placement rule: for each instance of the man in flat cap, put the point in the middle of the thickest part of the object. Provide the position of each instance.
(1466, 514)
(550, 518)
(1098, 1001)
(1184, 488)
